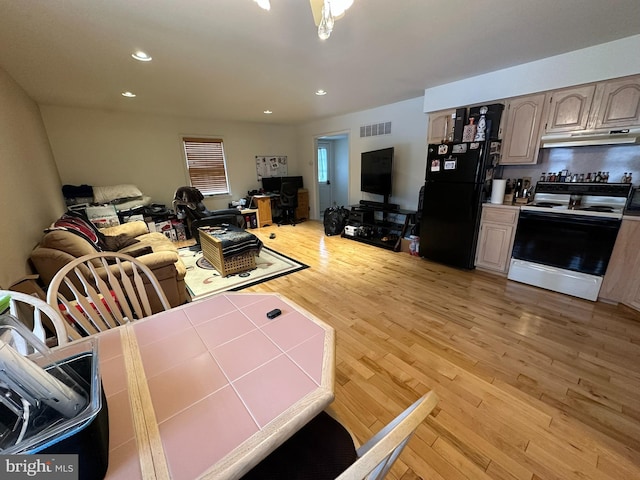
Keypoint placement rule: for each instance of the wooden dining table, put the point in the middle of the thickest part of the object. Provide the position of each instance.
(209, 389)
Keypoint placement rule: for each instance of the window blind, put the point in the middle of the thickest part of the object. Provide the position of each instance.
(206, 165)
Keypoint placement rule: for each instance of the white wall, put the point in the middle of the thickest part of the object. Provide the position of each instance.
(98, 147)
(408, 137)
(341, 174)
(601, 62)
(30, 193)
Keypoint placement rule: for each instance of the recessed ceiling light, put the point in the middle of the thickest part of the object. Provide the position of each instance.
(267, 112)
(128, 94)
(142, 56)
(320, 92)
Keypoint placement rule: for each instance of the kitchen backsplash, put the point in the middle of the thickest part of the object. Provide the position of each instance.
(617, 160)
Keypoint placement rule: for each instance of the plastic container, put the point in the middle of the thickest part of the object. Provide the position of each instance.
(28, 427)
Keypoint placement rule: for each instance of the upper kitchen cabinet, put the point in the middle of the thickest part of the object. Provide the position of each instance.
(569, 109)
(441, 126)
(619, 104)
(522, 129)
(610, 104)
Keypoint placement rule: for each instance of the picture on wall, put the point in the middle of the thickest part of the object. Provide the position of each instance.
(271, 166)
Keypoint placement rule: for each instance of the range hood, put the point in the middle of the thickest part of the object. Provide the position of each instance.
(622, 136)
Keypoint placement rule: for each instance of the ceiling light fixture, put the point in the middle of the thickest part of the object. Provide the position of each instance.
(326, 12)
(128, 94)
(267, 112)
(321, 92)
(141, 56)
(264, 4)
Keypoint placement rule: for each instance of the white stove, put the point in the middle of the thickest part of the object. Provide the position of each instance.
(564, 239)
(589, 205)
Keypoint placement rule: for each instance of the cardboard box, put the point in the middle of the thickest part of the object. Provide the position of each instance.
(163, 226)
(181, 233)
(171, 234)
(103, 216)
(404, 245)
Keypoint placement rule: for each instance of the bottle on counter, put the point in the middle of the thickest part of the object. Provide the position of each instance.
(606, 177)
(629, 179)
(581, 177)
(518, 188)
(598, 177)
(543, 178)
(624, 178)
(588, 179)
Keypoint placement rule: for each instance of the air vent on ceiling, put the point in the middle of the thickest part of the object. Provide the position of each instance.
(375, 129)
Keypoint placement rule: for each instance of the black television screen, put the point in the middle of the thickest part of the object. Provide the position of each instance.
(376, 171)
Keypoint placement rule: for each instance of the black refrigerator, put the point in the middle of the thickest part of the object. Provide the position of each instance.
(458, 179)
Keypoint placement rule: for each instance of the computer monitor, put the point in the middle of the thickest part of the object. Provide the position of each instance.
(272, 184)
(297, 180)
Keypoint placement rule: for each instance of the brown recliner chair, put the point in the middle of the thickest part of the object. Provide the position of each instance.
(188, 206)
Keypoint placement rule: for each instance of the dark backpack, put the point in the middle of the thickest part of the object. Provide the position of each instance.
(335, 219)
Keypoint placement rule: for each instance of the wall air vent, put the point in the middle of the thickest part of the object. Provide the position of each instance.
(375, 129)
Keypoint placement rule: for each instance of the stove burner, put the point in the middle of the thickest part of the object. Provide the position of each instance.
(597, 208)
(547, 204)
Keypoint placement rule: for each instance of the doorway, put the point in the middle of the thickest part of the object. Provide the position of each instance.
(332, 171)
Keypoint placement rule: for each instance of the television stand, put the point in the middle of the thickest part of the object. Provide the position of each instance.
(380, 224)
(380, 205)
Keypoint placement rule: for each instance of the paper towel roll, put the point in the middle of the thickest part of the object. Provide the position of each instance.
(497, 191)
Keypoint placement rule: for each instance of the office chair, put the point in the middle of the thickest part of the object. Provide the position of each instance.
(324, 449)
(288, 203)
(107, 289)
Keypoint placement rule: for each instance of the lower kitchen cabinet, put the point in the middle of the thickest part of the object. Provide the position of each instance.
(495, 241)
(622, 280)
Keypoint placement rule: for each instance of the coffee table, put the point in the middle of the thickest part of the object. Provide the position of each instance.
(214, 242)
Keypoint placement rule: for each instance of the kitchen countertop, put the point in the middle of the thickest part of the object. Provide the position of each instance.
(632, 217)
(501, 205)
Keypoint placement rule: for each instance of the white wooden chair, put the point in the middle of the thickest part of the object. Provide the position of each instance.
(376, 457)
(22, 304)
(324, 449)
(103, 290)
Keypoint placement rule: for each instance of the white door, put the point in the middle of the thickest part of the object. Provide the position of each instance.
(325, 161)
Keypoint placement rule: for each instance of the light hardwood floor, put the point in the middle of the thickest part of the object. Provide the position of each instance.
(532, 384)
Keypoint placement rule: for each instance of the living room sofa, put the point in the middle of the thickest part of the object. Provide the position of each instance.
(59, 246)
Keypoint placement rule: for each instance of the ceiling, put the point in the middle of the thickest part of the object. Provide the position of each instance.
(228, 59)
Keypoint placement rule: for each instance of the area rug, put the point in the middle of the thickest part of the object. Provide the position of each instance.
(203, 280)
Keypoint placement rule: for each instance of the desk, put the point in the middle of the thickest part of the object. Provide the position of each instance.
(263, 204)
(208, 389)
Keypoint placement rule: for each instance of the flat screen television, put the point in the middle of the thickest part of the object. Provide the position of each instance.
(376, 172)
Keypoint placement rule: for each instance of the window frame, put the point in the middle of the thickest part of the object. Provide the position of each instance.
(213, 180)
